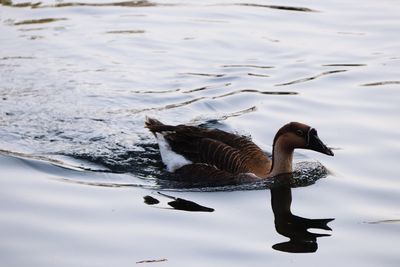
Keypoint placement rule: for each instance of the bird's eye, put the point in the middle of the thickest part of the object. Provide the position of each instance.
(299, 133)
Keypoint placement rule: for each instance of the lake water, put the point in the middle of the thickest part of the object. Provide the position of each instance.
(77, 80)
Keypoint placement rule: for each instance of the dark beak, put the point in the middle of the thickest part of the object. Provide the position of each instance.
(314, 143)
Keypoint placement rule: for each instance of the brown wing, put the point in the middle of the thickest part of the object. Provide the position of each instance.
(226, 151)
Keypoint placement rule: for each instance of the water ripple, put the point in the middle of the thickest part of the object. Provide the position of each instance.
(256, 91)
(247, 66)
(310, 78)
(197, 99)
(279, 7)
(381, 83)
(204, 74)
(38, 21)
(126, 32)
(344, 65)
(140, 3)
(206, 88)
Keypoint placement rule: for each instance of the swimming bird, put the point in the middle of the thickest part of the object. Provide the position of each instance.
(213, 157)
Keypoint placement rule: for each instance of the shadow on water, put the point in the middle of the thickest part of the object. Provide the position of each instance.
(292, 226)
(286, 223)
(178, 203)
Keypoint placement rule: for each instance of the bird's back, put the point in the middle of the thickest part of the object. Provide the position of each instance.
(213, 149)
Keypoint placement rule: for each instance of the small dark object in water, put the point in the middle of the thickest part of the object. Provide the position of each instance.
(183, 204)
(150, 200)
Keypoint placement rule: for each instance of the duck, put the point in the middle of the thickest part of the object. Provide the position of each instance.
(213, 157)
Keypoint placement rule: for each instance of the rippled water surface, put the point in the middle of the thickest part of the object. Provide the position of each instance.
(77, 80)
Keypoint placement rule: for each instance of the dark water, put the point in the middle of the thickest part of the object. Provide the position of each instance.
(78, 78)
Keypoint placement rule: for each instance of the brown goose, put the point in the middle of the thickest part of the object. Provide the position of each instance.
(214, 157)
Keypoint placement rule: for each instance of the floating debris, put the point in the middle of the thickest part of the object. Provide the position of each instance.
(149, 200)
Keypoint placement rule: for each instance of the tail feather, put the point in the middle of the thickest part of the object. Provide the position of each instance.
(151, 122)
(156, 126)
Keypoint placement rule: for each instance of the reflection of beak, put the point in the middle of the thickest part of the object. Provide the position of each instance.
(314, 143)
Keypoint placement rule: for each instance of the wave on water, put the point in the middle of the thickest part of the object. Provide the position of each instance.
(143, 168)
(144, 161)
(306, 173)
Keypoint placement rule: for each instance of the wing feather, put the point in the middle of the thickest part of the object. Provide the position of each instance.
(225, 151)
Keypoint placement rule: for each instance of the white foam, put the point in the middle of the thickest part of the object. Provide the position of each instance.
(171, 159)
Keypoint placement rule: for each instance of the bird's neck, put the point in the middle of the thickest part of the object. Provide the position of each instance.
(282, 158)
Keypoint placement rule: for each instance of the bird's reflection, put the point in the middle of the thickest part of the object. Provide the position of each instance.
(178, 203)
(287, 224)
(292, 226)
